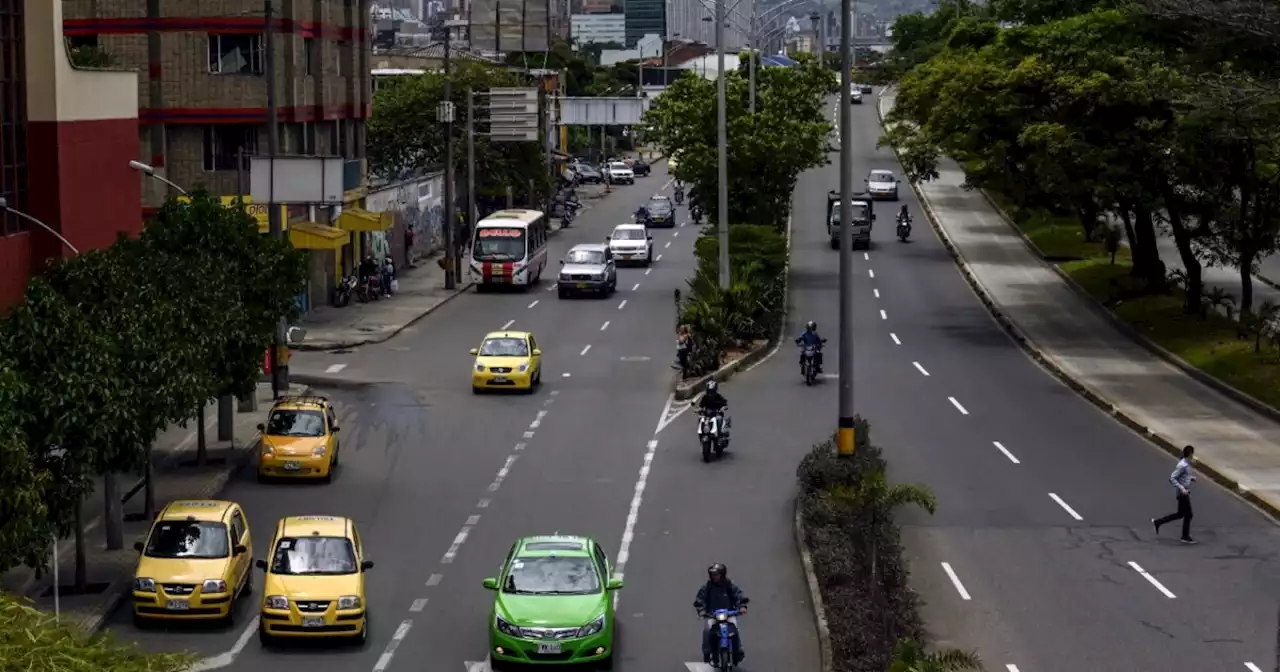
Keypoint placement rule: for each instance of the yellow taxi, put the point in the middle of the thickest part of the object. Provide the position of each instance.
(195, 562)
(507, 360)
(299, 440)
(315, 581)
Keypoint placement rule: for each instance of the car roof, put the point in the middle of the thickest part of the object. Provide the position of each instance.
(507, 334)
(314, 526)
(658, 197)
(589, 247)
(555, 544)
(881, 171)
(309, 402)
(196, 509)
(629, 227)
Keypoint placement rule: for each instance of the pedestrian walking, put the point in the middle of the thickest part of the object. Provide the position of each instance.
(1181, 478)
(684, 348)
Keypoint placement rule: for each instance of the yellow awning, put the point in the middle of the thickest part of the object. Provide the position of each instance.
(312, 236)
(363, 221)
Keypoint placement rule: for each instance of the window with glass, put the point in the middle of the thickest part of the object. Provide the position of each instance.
(504, 347)
(314, 555)
(499, 244)
(188, 539)
(235, 54)
(552, 575)
(296, 423)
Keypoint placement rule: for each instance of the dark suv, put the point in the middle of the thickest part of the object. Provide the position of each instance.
(640, 167)
(662, 214)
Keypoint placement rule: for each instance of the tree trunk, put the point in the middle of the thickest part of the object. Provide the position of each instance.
(1193, 303)
(1246, 282)
(1088, 214)
(82, 569)
(1146, 255)
(113, 513)
(202, 446)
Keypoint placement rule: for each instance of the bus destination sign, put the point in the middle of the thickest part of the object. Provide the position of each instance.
(500, 233)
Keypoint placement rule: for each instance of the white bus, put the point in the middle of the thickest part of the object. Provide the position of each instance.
(509, 247)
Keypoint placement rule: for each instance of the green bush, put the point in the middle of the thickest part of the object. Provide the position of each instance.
(846, 510)
(751, 309)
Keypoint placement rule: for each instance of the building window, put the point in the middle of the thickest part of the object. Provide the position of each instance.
(224, 142)
(235, 54)
(308, 55)
(344, 52)
(13, 116)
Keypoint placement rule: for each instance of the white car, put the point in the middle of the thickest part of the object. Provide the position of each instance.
(855, 96)
(620, 173)
(631, 243)
(882, 185)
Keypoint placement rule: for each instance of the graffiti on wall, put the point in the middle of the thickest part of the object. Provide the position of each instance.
(418, 208)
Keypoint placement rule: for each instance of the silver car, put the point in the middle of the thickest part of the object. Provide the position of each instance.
(587, 269)
(881, 184)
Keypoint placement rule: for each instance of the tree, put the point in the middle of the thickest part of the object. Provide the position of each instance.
(34, 642)
(406, 138)
(26, 527)
(910, 656)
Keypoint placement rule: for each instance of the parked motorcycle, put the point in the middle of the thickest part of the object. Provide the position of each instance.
(346, 288)
(904, 229)
(569, 210)
(369, 289)
(809, 364)
(713, 434)
(725, 655)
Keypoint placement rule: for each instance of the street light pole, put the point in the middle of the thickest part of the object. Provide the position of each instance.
(471, 164)
(844, 426)
(274, 225)
(722, 150)
(751, 70)
(4, 205)
(450, 254)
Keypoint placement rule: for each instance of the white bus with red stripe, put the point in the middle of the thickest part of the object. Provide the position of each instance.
(509, 247)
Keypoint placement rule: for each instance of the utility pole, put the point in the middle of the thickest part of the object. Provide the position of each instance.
(753, 54)
(844, 426)
(471, 164)
(450, 219)
(275, 226)
(722, 150)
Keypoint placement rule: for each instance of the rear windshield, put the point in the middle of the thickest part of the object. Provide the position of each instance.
(859, 211)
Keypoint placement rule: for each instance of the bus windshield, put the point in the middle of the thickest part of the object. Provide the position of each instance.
(499, 243)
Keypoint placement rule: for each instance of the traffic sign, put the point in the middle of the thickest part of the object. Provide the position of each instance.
(513, 114)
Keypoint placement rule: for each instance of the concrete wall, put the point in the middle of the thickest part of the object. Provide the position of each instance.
(419, 207)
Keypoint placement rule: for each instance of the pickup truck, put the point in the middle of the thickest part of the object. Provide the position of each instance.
(863, 219)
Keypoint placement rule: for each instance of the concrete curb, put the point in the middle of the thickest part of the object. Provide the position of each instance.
(331, 382)
(1047, 363)
(815, 594)
(686, 390)
(382, 338)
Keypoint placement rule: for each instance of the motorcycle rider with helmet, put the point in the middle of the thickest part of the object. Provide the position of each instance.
(642, 215)
(810, 337)
(904, 217)
(712, 403)
(719, 593)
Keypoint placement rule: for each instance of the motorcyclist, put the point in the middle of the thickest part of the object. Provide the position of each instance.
(679, 192)
(712, 400)
(904, 216)
(810, 337)
(695, 211)
(718, 593)
(642, 215)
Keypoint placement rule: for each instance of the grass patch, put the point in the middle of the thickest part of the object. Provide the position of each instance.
(1211, 344)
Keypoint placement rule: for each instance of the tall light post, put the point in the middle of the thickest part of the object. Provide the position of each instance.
(722, 150)
(4, 205)
(444, 114)
(150, 171)
(274, 224)
(845, 439)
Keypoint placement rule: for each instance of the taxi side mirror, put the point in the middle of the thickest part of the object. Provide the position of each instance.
(239, 549)
(337, 429)
(491, 583)
(608, 238)
(366, 565)
(475, 351)
(260, 564)
(537, 352)
(614, 584)
(137, 546)
(262, 427)
(562, 262)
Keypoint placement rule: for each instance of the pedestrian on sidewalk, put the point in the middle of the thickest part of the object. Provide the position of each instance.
(684, 348)
(1181, 478)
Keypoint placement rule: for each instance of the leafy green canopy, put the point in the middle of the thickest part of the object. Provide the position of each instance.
(767, 151)
(111, 346)
(405, 136)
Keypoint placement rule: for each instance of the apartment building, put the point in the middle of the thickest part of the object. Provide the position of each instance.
(202, 84)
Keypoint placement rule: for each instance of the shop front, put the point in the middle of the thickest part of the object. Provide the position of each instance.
(324, 245)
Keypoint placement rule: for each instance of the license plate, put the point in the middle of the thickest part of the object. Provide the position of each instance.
(582, 285)
(499, 379)
(177, 605)
(312, 622)
(292, 466)
(548, 647)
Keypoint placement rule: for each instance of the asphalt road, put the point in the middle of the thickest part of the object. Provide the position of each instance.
(1037, 587)
(441, 482)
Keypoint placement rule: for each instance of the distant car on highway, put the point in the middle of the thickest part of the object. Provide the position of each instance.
(587, 269)
(855, 97)
(882, 185)
(619, 173)
(507, 360)
(631, 243)
(640, 167)
(662, 213)
(866, 88)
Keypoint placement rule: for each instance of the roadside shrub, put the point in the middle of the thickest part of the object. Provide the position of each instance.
(846, 509)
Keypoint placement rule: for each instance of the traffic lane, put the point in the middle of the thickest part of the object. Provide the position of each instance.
(575, 475)
(1036, 596)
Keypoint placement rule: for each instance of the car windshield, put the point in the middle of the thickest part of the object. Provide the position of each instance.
(188, 539)
(314, 555)
(618, 165)
(859, 211)
(296, 423)
(505, 347)
(552, 575)
(594, 257)
(628, 234)
(661, 207)
(881, 177)
(498, 244)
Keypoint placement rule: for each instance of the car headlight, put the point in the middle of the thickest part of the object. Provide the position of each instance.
(479, 368)
(523, 368)
(598, 276)
(592, 628)
(505, 627)
(213, 586)
(319, 451)
(277, 602)
(349, 602)
(267, 450)
(144, 585)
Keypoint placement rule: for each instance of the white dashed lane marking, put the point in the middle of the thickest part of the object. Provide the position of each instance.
(508, 324)
(876, 292)
(1001, 448)
(955, 581)
(435, 579)
(920, 368)
(534, 303)
(584, 350)
(637, 286)
(334, 368)
(604, 326)
(883, 316)
(957, 405)
(1152, 580)
(871, 272)
(385, 659)
(1065, 506)
(622, 305)
(895, 338)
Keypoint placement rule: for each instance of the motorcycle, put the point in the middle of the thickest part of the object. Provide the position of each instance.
(679, 196)
(696, 213)
(346, 287)
(904, 229)
(809, 364)
(725, 654)
(570, 210)
(713, 433)
(368, 289)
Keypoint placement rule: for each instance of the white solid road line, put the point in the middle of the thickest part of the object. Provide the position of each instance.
(435, 579)
(1066, 507)
(584, 350)
(895, 338)
(633, 513)
(534, 303)
(637, 286)
(1006, 452)
(882, 315)
(876, 292)
(605, 325)
(507, 325)
(622, 305)
(920, 368)
(1152, 580)
(334, 368)
(871, 272)
(955, 581)
(385, 659)
(1252, 668)
(957, 405)
(225, 659)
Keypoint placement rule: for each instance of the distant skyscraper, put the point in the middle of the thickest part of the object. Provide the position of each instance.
(645, 17)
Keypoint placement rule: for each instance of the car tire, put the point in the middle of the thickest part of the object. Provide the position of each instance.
(140, 623)
(835, 243)
(606, 664)
(362, 638)
(266, 640)
(475, 390)
(562, 294)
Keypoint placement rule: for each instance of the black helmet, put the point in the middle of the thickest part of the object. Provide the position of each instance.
(717, 568)
(811, 325)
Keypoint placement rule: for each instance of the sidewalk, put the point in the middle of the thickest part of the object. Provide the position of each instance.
(1070, 335)
(111, 572)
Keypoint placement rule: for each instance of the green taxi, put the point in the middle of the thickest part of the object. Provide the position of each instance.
(554, 604)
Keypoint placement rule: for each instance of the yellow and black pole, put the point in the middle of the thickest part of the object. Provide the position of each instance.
(845, 439)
